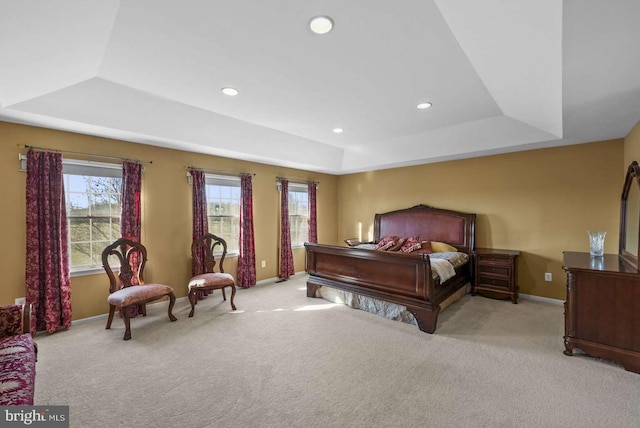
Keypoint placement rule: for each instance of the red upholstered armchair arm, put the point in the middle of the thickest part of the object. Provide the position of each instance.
(14, 320)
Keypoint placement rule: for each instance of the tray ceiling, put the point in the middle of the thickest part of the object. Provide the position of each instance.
(502, 76)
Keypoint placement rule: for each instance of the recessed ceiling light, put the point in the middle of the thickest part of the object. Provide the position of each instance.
(338, 130)
(321, 24)
(423, 106)
(232, 92)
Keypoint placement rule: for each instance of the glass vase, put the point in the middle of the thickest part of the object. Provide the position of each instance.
(596, 243)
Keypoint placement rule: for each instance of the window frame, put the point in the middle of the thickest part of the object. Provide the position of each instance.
(298, 188)
(93, 169)
(233, 243)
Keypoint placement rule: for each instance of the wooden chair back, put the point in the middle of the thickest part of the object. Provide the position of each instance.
(125, 250)
(208, 244)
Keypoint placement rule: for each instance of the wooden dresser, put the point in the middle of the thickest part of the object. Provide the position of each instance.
(602, 311)
(496, 273)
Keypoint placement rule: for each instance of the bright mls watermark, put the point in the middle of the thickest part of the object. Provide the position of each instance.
(34, 416)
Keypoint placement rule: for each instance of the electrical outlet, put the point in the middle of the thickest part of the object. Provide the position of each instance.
(264, 263)
(547, 276)
(21, 300)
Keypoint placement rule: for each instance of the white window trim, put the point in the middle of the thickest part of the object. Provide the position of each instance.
(89, 271)
(77, 163)
(223, 180)
(297, 187)
(83, 167)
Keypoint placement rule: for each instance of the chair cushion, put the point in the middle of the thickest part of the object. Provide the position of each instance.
(213, 279)
(138, 293)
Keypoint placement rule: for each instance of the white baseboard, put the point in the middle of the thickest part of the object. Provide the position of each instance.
(104, 316)
(542, 299)
(275, 278)
(84, 320)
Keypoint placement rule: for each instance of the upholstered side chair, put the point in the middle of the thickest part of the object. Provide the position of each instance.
(124, 293)
(210, 279)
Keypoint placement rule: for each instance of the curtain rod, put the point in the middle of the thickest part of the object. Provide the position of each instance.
(24, 146)
(303, 180)
(219, 171)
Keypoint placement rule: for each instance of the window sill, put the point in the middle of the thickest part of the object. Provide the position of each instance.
(229, 255)
(86, 272)
(100, 270)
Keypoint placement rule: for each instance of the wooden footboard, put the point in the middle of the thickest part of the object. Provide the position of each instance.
(404, 279)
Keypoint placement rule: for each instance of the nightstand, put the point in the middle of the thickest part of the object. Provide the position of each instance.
(496, 273)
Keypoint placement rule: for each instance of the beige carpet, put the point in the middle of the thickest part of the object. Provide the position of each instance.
(284, 360)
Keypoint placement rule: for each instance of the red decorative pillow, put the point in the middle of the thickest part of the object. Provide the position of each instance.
(411, 244)
(387, 242)
(398, 245)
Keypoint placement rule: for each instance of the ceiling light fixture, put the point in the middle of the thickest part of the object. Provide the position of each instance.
(423, 106)
(321, 24)
(338, 130)
(232, 92)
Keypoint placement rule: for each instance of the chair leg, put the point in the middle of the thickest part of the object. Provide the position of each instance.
(126, 315)
(112, 311)
(193, 297)
(143, 309)
(224, 296)
(172, 301)
(233, 294)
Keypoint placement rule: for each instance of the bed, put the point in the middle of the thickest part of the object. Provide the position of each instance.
(396, 277)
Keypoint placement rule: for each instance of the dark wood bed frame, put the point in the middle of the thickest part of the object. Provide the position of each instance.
(401, 278)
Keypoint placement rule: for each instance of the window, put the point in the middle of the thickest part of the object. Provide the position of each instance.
(93, 193)
(298, 214)
(223, 209)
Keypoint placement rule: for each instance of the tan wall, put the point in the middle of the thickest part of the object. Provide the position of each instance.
(540, 202)
(632, 153)
(166, 230)
(632, 146)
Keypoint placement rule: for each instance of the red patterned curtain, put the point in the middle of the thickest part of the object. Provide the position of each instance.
(313, 213)
(286, 254)
(48, 288)
(247, 259)
(130, 217)
(200, 220)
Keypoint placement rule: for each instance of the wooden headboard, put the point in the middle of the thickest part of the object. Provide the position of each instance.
(430, 224)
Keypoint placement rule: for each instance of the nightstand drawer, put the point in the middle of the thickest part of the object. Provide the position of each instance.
(496, 282)
(493, 260)
(496, 270)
